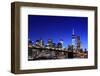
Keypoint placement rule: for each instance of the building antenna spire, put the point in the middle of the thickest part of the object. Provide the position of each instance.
(73, 31)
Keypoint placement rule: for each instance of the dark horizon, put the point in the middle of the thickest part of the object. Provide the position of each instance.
(58, 27)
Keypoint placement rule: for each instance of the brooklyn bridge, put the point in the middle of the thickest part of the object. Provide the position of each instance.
(44, 53)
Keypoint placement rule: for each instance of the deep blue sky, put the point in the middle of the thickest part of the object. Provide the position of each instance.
(58, 27)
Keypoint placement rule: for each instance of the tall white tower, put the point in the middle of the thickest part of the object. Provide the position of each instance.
(73, 39)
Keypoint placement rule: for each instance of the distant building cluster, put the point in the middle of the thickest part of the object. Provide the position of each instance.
(37, 50)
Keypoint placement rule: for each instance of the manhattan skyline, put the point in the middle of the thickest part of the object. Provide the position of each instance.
(58, 27)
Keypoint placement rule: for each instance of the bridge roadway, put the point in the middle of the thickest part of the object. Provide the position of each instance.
(54, 49)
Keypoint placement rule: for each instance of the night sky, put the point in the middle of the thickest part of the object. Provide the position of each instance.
(58, 27)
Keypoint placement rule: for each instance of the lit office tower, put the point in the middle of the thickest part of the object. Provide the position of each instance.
(50, 43)
(73, 39)
(61, 42)
(78, 42)
(41, 43)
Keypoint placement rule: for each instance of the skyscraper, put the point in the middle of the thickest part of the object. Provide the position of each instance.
(78, 42)
(73, 39)
(60, 44)
(41, 43)
(61, 41)
(50, 43)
